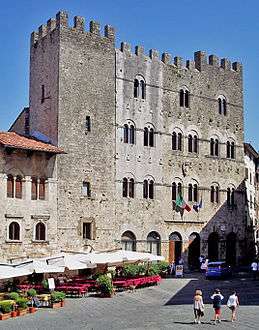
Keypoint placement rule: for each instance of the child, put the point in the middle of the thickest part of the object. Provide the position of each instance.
(232, 303)
(217, 298)
(198, 306)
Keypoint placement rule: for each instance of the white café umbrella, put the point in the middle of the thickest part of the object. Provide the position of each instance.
(70, 261)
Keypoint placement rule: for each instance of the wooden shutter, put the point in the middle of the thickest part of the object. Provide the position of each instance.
(34, 188)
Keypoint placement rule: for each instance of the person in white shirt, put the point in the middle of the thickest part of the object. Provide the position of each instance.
(254, 269)
(233, 303)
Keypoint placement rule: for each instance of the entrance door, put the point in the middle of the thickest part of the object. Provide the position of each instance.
(194, 251)
(175, 247)
(231, 249)
(213, 246)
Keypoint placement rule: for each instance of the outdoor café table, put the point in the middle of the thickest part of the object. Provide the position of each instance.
(44, 299)
(79, 290)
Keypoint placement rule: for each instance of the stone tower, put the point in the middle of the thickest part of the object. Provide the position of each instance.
(72, 87)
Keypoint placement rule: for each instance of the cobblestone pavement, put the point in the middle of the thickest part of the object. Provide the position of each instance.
(166, 306)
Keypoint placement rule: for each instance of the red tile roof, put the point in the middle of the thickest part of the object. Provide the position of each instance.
(16, 141)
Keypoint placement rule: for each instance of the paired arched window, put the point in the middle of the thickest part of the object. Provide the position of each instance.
(38, 188)
(40, 232)
(14, 231)
(149, 136)
(148, 189)
(14, 186)
(193, 143)
(129, 133)
(128, 241)
(230, 150)
(10, 186)
(192, 192)
(184, 98)
(214, 147)
(139, 88)
(222, 105)
(231, 197)
(177, 141)
(176, 190)
(128, 186)
(214, 194)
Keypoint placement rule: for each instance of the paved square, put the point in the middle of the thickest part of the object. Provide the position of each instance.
(166, 306)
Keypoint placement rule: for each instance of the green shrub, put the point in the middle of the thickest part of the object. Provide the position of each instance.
(105, 283)
(31, 293)
(142, 269)
(22, 303)
(153, 270)
(57, 296)
(13, 296)
(6, 306)
(163, 266)
(131, 270)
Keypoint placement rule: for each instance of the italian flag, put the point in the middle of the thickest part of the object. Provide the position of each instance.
(181, 204)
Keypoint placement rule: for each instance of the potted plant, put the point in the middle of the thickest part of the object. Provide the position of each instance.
(31, 294)
(6, 307)
(22, 306)
(57, 298)
(106, 286)
(163, 268)
(14, 296)
(131, 270)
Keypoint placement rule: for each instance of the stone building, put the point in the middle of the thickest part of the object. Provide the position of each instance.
(252, 201)
(139, 132)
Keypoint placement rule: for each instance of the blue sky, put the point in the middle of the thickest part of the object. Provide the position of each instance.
(225, 28)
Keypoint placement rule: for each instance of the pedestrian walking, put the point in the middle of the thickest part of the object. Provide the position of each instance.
(172, 268)
(254, 269)
(198, 306)
(216, 300)
(233, 303)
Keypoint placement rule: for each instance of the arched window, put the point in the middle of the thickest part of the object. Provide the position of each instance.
(131, 188)
(149, 136)
(228, 149)
(232, 150)
(42, 189)
(214, 194)
(125, 187)
(126, 133)
(10, 186)
(180, 136)
(14, 231)
(18, 187)
(87, 124)
(148, 189)
(184, 98)
(174, 191)
(151, 189)
(136, 88)
(195, 144)
(154, 243)
(222, 105)
(145, 189)
(143, 89)
(189, 143)
(34, 188)
(146, 136)
(40, 232)
(231, 197)
(132, 134)
(214, 147)
(195, 193)
(128, 241)
(190, 192)
(174, 141)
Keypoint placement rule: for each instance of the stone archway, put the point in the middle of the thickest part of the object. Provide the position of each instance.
(213, 246)
(128, 241)
(231, 249)
(154, 243)
(175, 247)
(194, 251)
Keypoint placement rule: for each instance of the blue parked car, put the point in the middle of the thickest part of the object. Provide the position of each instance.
(218, 269)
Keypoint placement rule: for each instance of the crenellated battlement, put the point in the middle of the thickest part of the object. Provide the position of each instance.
(200, 61)
(61, 22)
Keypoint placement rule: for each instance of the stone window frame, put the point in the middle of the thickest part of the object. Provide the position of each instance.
(149, 181)
(92, 223)
(129, 132)
(10, 221)
(149, 132)
(125, 193)
(178, 131)
(139, 87)
(34, 232)
(215, 198)
(184, 97)
(194, 145)
(39, 180)
(222, 105)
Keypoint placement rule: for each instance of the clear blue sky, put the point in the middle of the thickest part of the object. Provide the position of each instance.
(225, 28)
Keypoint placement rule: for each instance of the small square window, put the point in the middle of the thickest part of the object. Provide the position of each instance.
(87, 230)
(86, 191)
(87, 124)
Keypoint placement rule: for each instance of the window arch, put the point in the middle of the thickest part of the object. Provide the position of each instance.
(177, 137)
(230, 149)
(154, 243)
(128, 241)
(149, 136)
(214, 147)
(129, 133)
(139, 87)
(128, 187)
(14, 231)
(184, 97)
(148, 189)
(136, 88)
(177, 190)
(222, 105)
(40, 232)
(143, 89)
(214, 193)
(231, 196)
(193, 142)
(10, 186)
(193, 192)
